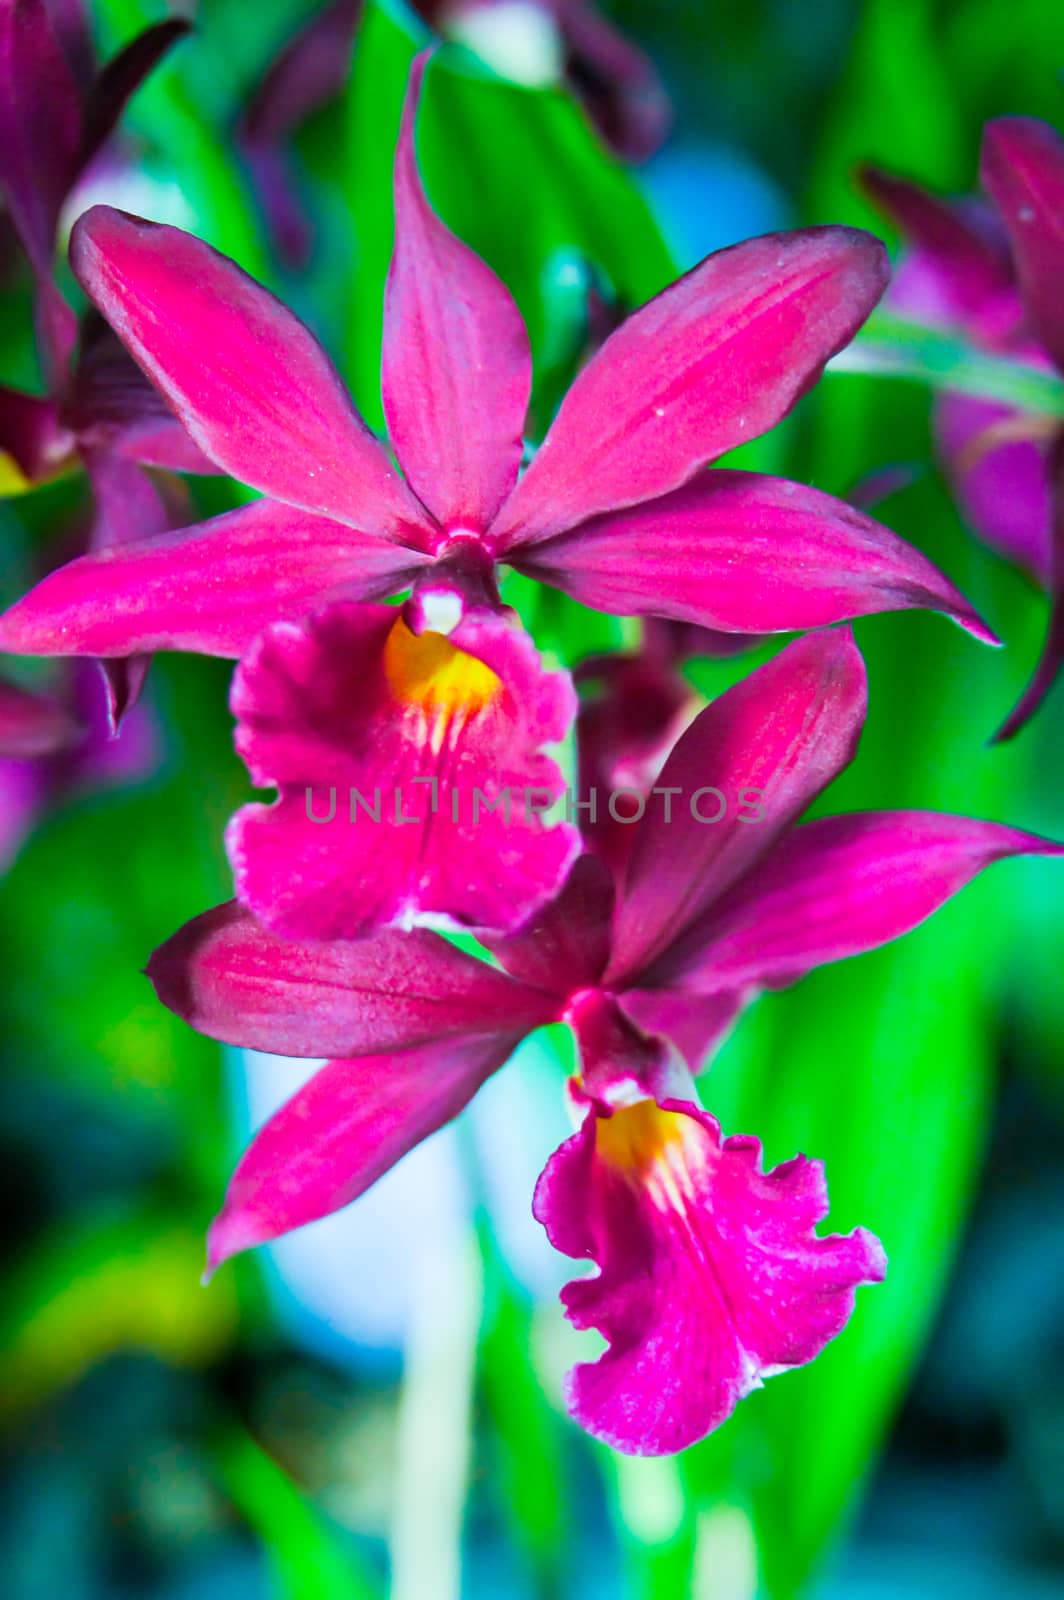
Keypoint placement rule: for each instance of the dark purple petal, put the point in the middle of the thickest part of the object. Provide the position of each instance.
(441, 738)
(119, 80)
(234, 980)
(958, 269)
(624, 732)
(309, 72)
(32, 435)
(456, 366)
(211, 588)
(342, 1131)
(711, 1276)
(251, 383)
(755, 759)
(996, 459)
(837, 887)
(716, 359)
(40, 126)
(112, 406)
(744, 553)
(617, 84)
(32, 724)
(1022, 169)
(1052, 657)
(566, 945)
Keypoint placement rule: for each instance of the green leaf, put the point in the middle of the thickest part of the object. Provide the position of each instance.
(308, 1560)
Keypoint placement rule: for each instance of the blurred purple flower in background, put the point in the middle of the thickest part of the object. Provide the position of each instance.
(995, 272)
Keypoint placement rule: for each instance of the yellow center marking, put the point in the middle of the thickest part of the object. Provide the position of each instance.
(640, 1137)
(427, 670)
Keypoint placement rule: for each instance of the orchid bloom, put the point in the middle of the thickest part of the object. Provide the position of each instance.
(615, 507)
(993, 272)
(532, 42)
(711, 1275)
(57, 108)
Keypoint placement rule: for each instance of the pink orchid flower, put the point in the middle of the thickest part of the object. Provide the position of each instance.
(994, 272)
(57, 109)
(711, 1275)
(615, 507)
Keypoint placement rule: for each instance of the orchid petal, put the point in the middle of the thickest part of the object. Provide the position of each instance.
(113, 406)
(716, 359)
(234, 980)
(958, 271)
(617, 83)
(121, 77)
(32, 724)
(837, 887)
(404, 764)
(456, 368)
(711, 1277)
(744, 553)
(211, 588)
(31, 434)
(566, 945)
(1052, 657)
(246, 377)
(695, 1024)
(1022, 169)
(342, 1131)
(997, 466)
(40, 126)
(759, 755)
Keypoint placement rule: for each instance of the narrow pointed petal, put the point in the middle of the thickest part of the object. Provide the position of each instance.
(716, 359)
(250, 382)
(234, 980)
(410, 771)
(456, 368)
(40, 126)
(566, 945)
(711, 1275)
(1052, 658)
(342, 1131)
(1022, 169)
(211, 588)
(32, 724)
(617, 83)
(838, 887)
(755, 760)
(957, 269)
(122, 76)
(309, 73)
(744, 553)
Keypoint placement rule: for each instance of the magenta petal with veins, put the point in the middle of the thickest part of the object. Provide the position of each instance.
(441, 738)
(710, 1274)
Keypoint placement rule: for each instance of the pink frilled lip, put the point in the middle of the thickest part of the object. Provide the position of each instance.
(411, 774)
(710, 1275)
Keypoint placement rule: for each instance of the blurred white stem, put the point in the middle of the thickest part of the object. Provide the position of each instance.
(435, 1409)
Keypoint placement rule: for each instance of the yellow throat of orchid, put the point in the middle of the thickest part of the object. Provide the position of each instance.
(427, 670)
(639, 1137)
